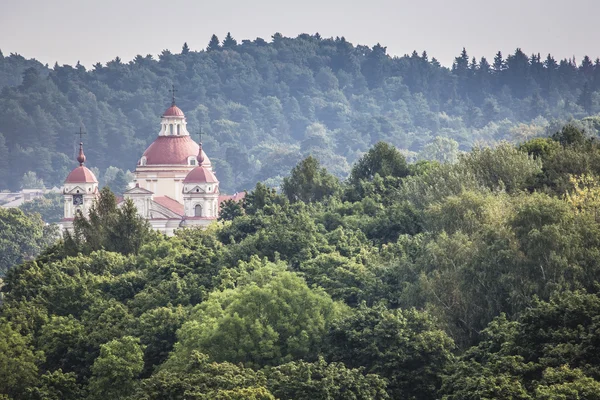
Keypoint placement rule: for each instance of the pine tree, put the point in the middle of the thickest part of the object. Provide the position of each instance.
(461, 63)
(550, 63)
(484, 65)
(499, 65)
(213, 44)
(185, 49)
(229, 42)
(587, 66)
(473, 65)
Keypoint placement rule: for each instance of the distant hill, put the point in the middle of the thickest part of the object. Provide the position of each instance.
(264, 105)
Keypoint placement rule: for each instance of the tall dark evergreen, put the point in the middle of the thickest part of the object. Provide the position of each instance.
(229, 42)
(214, 43)
(185, 49)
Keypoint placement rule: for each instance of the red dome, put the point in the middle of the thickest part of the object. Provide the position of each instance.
(173, 111)
(81, 174)
(200, 175)
(172, 150)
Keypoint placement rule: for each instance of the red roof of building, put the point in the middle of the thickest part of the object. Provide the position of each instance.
(172, 150)
(200, 174)
(173, 111)
(81, 174)
(235, 197)
(170, 204)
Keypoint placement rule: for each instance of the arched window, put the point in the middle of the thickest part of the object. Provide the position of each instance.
(178, 130)
(171, 129)
(198, 210)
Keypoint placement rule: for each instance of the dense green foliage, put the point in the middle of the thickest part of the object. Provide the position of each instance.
(477, 279)
(263, 106)
(22, 237)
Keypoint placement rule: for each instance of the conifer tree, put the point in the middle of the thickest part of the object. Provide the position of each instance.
(213, 44)
(461, 63)
(185, 49)
(498, 62)
(587, 66)
(229, 42)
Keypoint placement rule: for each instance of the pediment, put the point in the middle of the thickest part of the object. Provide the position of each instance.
(196, 189)
(74, 190)
(138, 190)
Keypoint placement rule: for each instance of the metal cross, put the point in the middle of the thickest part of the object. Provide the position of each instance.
(81, 133)
(173, 90)
(200, 135)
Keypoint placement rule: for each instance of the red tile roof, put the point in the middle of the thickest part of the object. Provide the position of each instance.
(235, 197)
(81, 174)
(170, 204)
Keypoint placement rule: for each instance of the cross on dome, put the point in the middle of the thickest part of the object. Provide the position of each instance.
(81, 155)
(173, 90)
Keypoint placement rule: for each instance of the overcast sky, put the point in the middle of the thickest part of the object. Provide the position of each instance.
(91, 31)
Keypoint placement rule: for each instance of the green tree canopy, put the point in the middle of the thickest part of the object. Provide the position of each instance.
(272, 318)
(22, 237)
(308, 182)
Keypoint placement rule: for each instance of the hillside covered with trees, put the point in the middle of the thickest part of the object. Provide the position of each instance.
(265, 105)
(466, 280)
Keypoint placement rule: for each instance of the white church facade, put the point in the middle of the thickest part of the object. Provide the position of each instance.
(174, 185)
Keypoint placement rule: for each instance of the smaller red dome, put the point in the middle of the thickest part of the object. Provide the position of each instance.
(173, 111)
(81, 174)
(200, 175)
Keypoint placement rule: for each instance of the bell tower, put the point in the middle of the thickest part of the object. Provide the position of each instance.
(79, 190)
(200, 194)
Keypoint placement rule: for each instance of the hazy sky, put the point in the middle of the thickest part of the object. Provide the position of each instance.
(91, 31)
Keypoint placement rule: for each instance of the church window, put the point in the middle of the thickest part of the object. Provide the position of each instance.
(178, 130)
(192, 162)
(171, 129)
(198, 210)
(197, 190)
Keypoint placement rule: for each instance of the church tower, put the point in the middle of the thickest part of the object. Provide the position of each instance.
(200, 194)
(79, 191)
(167, 161)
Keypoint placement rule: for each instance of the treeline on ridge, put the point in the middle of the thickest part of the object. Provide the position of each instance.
(263, 106)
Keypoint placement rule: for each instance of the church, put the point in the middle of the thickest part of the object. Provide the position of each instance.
(174, 186)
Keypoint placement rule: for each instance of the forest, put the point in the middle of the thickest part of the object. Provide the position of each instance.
(263, 105)
(473, 279)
